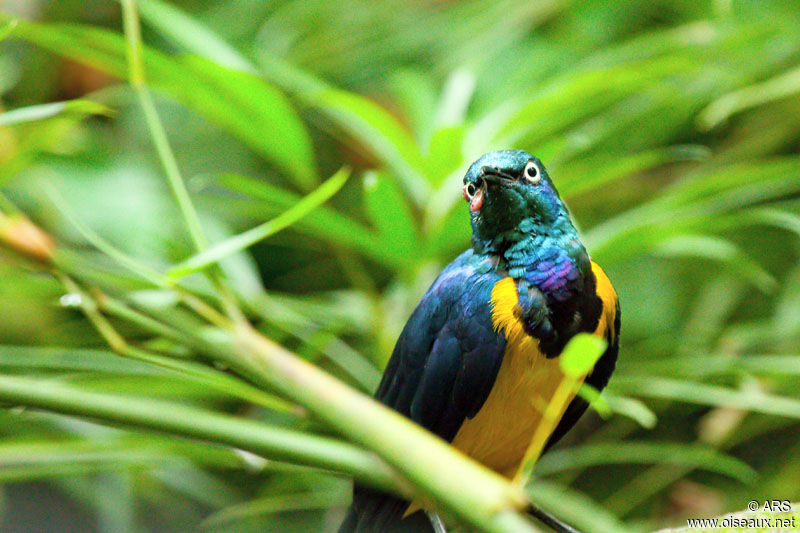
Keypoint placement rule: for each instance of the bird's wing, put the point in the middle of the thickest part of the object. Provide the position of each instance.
(447, 357)
(443, 366)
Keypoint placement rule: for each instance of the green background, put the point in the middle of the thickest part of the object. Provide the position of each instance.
(671, 129)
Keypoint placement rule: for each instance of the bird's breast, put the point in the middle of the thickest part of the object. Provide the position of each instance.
(501, 431)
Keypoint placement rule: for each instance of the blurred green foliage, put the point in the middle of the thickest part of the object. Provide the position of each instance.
(671, 128)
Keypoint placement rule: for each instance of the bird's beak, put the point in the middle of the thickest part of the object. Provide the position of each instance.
(495, 176)
(488, 176)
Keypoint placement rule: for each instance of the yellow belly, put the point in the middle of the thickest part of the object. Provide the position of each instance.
(502, 430)
(499, 435)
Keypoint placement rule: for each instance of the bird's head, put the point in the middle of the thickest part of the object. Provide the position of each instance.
(510, 192)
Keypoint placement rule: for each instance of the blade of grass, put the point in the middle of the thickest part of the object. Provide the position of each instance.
(44, 111)
(781, 86)
(360, 117)
(46, 359)
(644, 485)
(264, 199)
(391, 214)
(574, 507)
(375, 128)
(693, 203)
(697, 456)
(7, 29)
(272, 442)
(159, 136)
(36, 459)
(703, 394)
(244, 240)
(210, 377)
(191, 35)
(576, 95)
(65, 262)
(261, 200)
(217, 93)
(142, 270)
(707, 365)
(263, 116)
(274, 504)
(721, 250)
(632, 408)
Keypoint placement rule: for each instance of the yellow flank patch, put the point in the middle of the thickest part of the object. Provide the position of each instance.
(501, 431)
(608, 295)
(504, 315)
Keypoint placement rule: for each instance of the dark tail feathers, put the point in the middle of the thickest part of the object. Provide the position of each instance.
(377, 512)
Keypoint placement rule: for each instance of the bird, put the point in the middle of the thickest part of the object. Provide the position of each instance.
(479, 356)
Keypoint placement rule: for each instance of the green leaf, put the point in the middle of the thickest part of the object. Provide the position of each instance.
(142, 270)
(244, 240)
(41, 129)
(259, 199)
(41, 359)
(375, 128)
(45, 111)
(787, 310)
(774, 217)
(691, 205)
(189, 33)
(445, 154)
(7, 29)
(359, 117)
(415, 93)
(574, 507)
(781, 86)
(703, 394)
(273, 442)
(707, 365)
(632, 408)
(267, 505)
(718, 249)
(454, 101)
(694, 455)
(245, 106)
(591, 172)
(580, 354)
(575, 95)
(391, 214)
(258, 114)
(735, 185)
(30, 460)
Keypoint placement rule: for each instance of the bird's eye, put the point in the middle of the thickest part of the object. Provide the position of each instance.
(470, 190)
(532, 173)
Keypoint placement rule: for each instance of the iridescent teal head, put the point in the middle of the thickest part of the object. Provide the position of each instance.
(509, 193)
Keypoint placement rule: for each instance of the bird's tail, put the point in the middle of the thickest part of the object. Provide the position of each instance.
(378, 512)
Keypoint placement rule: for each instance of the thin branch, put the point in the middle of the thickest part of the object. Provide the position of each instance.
(271, 442)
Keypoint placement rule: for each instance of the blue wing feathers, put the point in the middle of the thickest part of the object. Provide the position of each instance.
(448, 355)
(441, 371)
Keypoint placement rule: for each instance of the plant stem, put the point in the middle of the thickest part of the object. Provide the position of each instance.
(274, 443)
(156, 127)
(130, 20)
(480, 497)
(213, 378)
(552, 414)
